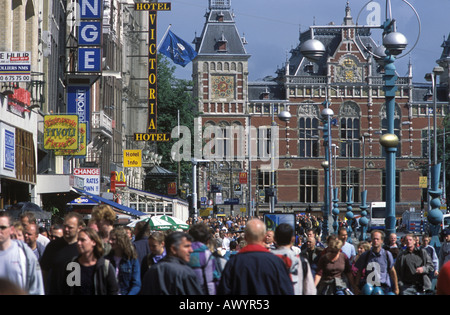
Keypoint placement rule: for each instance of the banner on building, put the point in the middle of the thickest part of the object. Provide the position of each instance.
(90, 36)
(132, 158)
(172, 188)
(15, 66)
(91, 178)
(61, 132)
(78, 102)
(7, 150)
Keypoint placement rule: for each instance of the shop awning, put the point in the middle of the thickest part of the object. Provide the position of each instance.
(113, 204)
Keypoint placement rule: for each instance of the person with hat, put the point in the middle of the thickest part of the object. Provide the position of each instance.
(444, 252)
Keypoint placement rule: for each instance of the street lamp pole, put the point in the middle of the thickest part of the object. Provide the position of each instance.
(435, 214)
(395, 43)
(327, 113)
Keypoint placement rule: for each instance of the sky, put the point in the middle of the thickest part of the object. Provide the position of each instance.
(272, 28)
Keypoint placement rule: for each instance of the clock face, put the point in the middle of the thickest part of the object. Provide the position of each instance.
(222, 86)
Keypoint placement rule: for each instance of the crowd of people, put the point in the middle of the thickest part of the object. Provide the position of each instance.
(215, 256)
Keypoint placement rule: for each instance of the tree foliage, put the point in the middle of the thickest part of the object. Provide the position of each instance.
(174, 98)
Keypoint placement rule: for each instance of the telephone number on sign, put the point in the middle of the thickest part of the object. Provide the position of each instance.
(14, 78)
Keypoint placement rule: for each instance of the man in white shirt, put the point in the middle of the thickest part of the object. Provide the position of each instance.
(348, 249)
(18, 263)
(226, 241)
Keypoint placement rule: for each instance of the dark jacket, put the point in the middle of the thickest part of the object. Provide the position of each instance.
(171, 276)
(104, 282)
(255, 271)
(129, 278)
(406, 264)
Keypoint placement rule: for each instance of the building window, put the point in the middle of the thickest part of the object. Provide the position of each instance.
(397, 186)
(264, 148)
(309, 186)
(350, 130)
(425, 143)
(308, 130)
(350, 179)
(308, 137)
(264, 179)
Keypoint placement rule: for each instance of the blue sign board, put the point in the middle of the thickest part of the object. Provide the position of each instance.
(89, 59)
(78, 102)
(10, 160)
(231, 201)
(90, 33)
(91, 9)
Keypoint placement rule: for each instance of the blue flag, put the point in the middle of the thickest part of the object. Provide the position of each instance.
(177, 49)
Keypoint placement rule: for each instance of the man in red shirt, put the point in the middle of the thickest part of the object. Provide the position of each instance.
(443, 282)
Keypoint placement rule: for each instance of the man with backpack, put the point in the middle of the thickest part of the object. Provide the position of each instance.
(377, 266)
(413, 266)
(298, 267)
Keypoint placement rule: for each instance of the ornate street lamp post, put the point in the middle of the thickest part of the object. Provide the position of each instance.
(435, 214)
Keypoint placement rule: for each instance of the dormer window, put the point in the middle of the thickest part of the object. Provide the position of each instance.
(222, 44)
(220, 17)
(264, 95)
(309, 68)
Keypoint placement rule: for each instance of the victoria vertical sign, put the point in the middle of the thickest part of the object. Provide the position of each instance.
(152, 9)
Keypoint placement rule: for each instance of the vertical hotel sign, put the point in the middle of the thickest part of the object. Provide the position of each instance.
(152, 132)
(90, 36)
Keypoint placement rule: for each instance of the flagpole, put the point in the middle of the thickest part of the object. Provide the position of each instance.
(164, 36)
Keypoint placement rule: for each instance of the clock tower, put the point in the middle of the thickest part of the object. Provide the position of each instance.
(220, 71)
(220, 75)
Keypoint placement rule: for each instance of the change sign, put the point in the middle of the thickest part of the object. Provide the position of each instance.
(91, 178)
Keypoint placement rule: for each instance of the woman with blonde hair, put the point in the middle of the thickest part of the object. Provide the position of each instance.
(123, 257)
(89, 273)
(334, 273)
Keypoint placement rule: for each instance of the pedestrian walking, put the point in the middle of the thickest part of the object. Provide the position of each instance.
(347, 248)
(443, 281)
(202, 260)
(376, 266)
(334, 274)
(124, 259)
(444, 252)
(90, 273)
(254, 270)
(31, 236)
(426, 239)
(104, 217)
(312, 253)
(172, 275)
(298, 267)
(59, 252)
(157, 248)
(413, 266)
(28, 217)
(18, 264)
